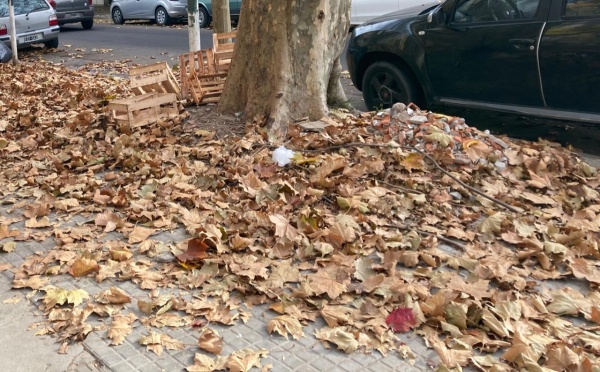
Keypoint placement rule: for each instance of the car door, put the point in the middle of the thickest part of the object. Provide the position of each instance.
(570, 56)
(364, 10)
(130, 8)
(486, 50)
(234, 7)
(147, 8)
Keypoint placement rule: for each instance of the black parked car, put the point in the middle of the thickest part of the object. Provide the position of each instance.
(534, 57)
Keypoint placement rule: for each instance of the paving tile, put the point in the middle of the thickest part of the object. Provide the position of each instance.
(150, 367)
(111, 359)
(169, 364)
(123, 367)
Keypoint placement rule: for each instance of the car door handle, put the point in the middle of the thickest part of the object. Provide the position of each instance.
(523, 43)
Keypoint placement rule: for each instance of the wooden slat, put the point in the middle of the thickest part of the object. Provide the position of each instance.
(157, 77)
(159, 66)
(144, 109)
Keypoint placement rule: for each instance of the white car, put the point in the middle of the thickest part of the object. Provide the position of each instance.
(35, 22)
(365, 10)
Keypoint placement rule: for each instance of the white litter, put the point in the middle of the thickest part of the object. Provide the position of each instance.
(282, 156)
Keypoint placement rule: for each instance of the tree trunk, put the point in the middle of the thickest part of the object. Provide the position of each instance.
(193, 26)
(284, 59)
(13, 32)
(221, 16)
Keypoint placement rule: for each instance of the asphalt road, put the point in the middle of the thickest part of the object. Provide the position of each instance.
(145, 43)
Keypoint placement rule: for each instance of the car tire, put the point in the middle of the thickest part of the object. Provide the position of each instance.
(87, 25)
(203, 17)
(51, 43)
(385, 84)
(117, 16)
(162, 17)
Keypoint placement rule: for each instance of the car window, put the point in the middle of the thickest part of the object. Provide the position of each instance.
(23, 6)
(477, 11)
(582, 8)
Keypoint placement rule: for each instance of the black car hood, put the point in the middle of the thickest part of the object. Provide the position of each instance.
(408, 12)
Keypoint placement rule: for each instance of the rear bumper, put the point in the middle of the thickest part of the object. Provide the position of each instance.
(74, 16)
(178, 12)
(47, 35)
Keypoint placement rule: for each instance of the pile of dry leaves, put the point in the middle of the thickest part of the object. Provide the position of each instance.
(414, 222)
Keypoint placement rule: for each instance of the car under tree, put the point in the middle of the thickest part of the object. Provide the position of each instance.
(533, 57)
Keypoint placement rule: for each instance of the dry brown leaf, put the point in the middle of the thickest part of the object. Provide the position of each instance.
(32, 223)
(120, 254)
(33, 282)
(83, 266)
(283, 228)
(211, 341)
(196, 251)
(339, 336)
(284, 324)
(113, 295)
(6, 233)
(120, 328)
(246, 359)
(9, 247)
(139, 234)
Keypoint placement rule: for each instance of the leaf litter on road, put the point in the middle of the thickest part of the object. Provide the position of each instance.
(379, 224)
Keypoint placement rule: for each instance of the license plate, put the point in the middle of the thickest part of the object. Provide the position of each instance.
(30, 38)
(72, 15)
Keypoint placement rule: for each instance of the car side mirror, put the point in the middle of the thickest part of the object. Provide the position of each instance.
(436, 17)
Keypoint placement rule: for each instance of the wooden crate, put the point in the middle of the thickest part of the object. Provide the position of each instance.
(155, 78)
(223, 45)
(144, 109)
(200, 80)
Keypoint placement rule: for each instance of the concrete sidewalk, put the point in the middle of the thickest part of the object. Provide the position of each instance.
(22, 351)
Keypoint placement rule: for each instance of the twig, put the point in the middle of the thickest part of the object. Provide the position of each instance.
(422, 232)
(352, 144)
(435, 164)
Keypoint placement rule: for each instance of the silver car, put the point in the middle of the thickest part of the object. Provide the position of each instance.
(74, 11)
(163, 12)
(35, 22)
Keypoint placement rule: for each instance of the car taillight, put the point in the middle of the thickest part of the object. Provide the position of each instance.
(3, 30)
(90, 2)
(52, 20)
(53, 4)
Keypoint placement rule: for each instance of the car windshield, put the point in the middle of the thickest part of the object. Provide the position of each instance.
(23, 6)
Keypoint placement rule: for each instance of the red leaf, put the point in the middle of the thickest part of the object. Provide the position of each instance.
(196, 251)
(401, 319)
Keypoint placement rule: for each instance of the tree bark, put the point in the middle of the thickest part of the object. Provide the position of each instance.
(221, 16)
(286, 60)
(193, 26)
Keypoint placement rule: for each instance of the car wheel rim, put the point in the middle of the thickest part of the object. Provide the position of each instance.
(201, 18)
(386, 89)
(117, 16)
(160, 17)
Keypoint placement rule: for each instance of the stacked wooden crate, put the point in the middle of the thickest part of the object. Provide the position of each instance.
(203, 73)
(157, 96)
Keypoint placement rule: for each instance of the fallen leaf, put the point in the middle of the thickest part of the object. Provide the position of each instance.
(244, 360)
(284, 324)
(211, 341)
(343, 339)
(196, 251)
(283, 228)
(401, 319)
(59, 296)
(9, 247)
(83, 266)
(120, 328)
